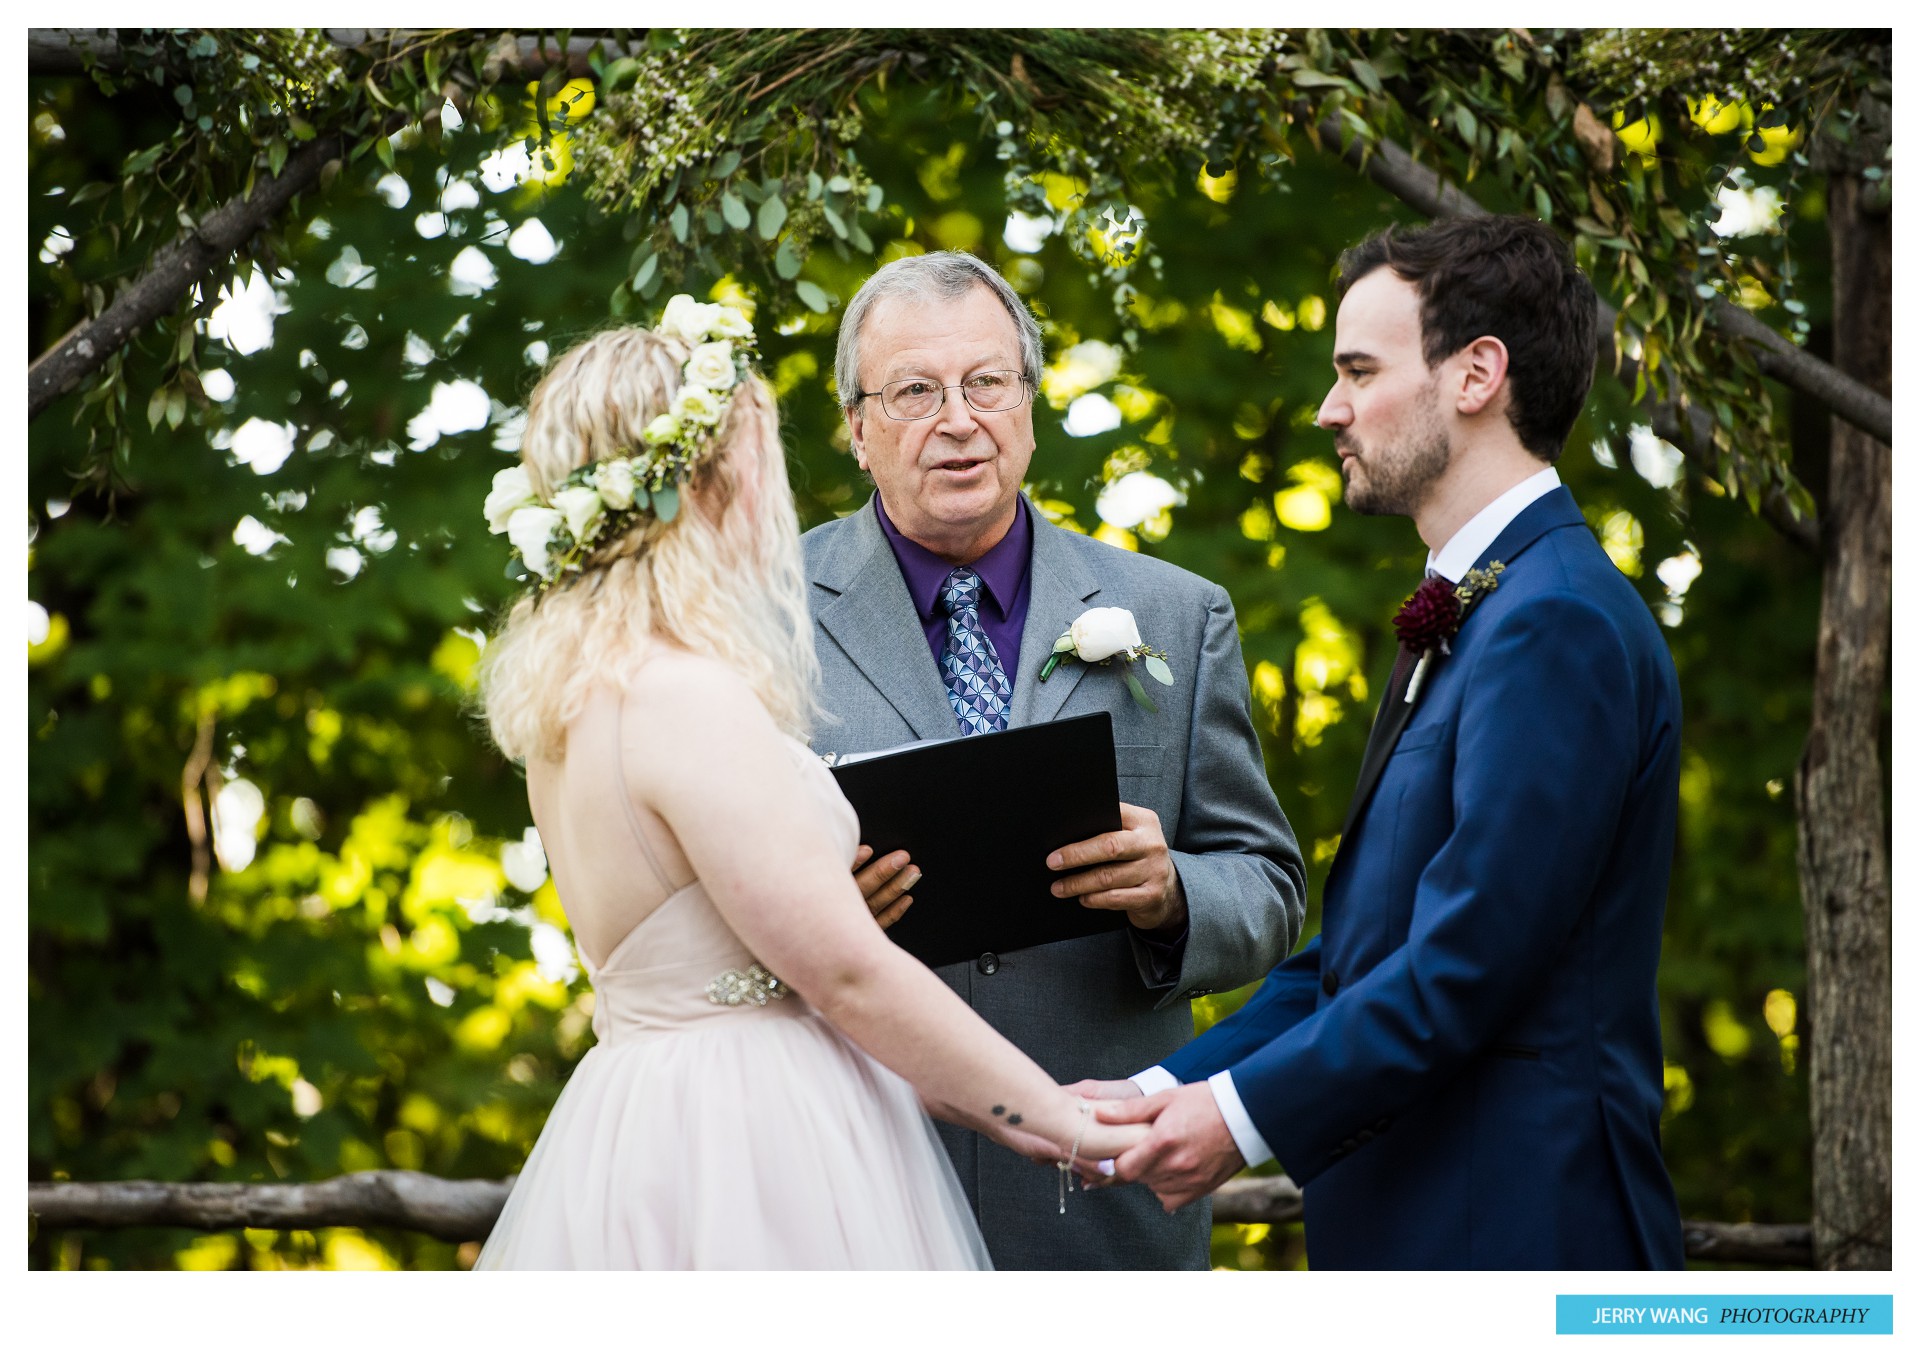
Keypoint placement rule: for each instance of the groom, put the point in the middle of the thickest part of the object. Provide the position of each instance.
(1464, 1069)
(934, 607)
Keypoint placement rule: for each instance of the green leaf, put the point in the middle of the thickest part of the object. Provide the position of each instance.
(276, 155)
(773, 215)
(839, 183)
(176, 407)
(621, 73)
(735, 211)
(1159, 671)
(666, 503)
(859, 239)
(156, 407)
(786, 260)
(724, 166)
(711, 219)
(646, 272)
(811, 296)
(833, 219)
(1137, 690)
(383, 149)
(679, 221)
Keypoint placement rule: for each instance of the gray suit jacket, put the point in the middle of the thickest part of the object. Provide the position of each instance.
(1106, 1006)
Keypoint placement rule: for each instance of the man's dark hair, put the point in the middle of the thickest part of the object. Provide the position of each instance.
(1505, 277)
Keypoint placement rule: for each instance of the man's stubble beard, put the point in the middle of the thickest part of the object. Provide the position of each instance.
(1397, 482)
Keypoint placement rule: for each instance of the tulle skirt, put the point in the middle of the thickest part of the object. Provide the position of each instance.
(736, 1144)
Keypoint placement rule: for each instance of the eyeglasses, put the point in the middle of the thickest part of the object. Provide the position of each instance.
(914, 399)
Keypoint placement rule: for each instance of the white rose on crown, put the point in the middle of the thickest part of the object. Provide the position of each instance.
(730, 323)
(696, 405)
(687, 319)
(711, 366)
(512, 489)
(613, 480)
(662, 429)
(580, 507)
(1102, 635)
(532, 530)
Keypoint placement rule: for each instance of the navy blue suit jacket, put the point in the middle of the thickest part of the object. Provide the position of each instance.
(1464, 1069)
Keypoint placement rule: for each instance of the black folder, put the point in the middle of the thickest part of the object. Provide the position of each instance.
(979, 815)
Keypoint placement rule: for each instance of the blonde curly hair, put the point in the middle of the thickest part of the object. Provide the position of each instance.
(722, 579)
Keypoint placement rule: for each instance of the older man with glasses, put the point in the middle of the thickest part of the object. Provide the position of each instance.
(934, 608)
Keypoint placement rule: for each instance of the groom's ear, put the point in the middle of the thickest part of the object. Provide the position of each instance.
(1482, 366)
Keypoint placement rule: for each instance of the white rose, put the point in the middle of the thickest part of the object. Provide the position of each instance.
(1101, 632)
(581, 507)
(532, 530)
(711, 366)
(614, 482)
(663, 429)
(688, 319)
(700, 407)
(731, 323)
(511, 489)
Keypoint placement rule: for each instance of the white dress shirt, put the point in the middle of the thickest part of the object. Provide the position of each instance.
(1452, 561)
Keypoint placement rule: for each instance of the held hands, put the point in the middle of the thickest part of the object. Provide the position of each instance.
(1128, 869)
(1187, 1151)
(1105, 1088)
(1098, 1140)
(884, 882)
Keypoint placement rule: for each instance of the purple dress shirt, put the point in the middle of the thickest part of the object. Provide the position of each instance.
(1004, 578)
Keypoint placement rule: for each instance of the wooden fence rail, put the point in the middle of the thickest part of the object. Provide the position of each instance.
(459, 1210)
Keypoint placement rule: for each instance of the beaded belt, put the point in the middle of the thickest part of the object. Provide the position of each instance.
(756, 985)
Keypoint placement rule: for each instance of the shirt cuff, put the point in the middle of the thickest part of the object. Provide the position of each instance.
(1154, 1079)
(1239, 1125)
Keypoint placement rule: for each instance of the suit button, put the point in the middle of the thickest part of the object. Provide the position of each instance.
(1330, 982)
(988, 963)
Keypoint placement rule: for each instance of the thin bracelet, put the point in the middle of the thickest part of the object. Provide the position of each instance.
(1066, 1165)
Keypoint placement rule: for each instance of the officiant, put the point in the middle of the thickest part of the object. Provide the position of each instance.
(935, 607)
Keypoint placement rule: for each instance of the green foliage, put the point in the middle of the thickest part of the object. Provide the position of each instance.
(365, 991)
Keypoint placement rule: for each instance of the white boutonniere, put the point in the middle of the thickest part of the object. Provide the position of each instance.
(1103, 636)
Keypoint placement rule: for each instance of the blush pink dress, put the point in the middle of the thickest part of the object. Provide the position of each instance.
(719, 1122)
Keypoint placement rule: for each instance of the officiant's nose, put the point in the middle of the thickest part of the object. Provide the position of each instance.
(1335, 411)
(956, 419)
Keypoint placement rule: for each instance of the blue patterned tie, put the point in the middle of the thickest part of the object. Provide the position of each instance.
(976, 685)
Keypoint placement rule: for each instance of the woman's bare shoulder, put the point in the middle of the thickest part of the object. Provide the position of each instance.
(674, 686)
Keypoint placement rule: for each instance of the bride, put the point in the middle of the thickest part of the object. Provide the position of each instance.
(751, 1102)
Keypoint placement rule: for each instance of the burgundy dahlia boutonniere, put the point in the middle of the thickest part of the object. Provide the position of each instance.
(1432, 615)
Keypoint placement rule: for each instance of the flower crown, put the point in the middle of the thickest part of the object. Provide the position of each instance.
(552, 538)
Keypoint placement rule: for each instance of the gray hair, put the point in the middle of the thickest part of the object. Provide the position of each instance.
(946, 275)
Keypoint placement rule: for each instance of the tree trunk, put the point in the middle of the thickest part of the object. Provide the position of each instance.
(1844, 829)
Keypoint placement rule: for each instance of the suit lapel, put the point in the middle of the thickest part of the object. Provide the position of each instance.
(1388, 723)
(868, 612)
(1550, 512)
(1062, 586)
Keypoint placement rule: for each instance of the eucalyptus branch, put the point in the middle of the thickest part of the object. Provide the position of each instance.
(1422, 188)
(173, 272)
(66, 51)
